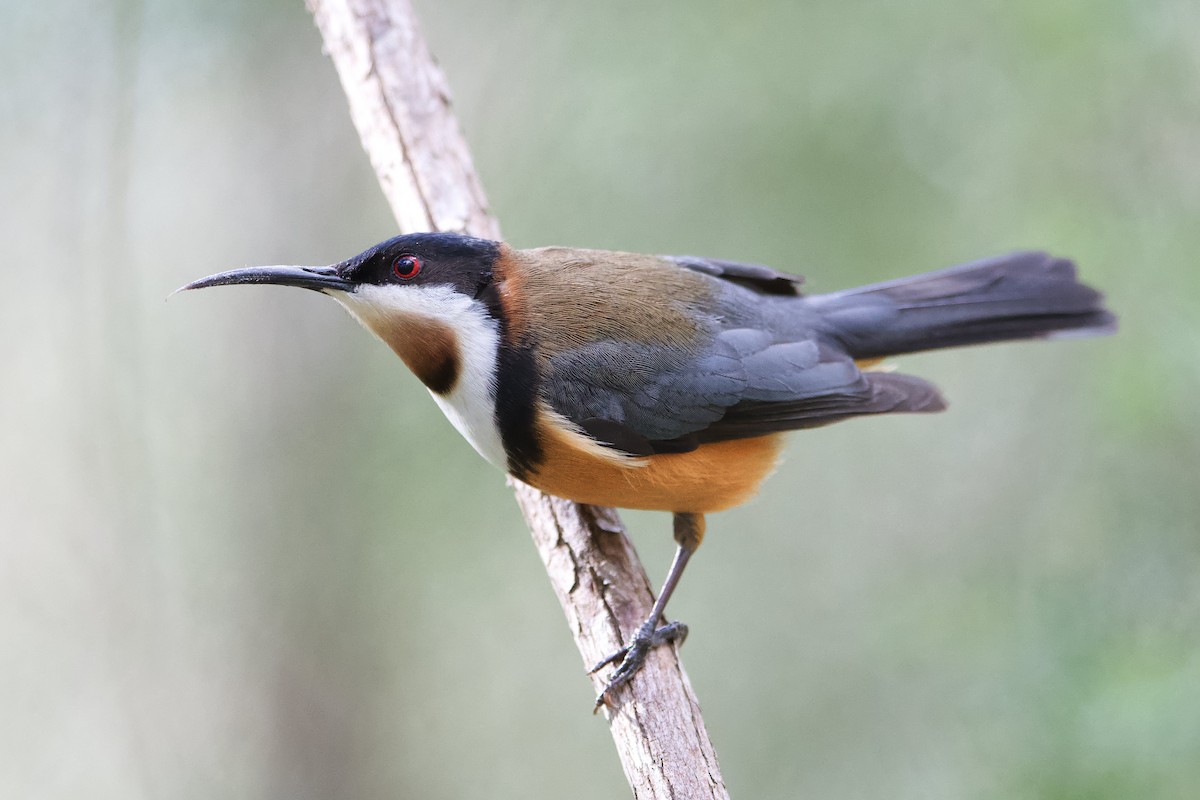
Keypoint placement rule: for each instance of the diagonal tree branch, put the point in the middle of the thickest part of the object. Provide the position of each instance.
(400, 104)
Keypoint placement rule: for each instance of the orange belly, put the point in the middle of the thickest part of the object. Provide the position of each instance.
(712, 477)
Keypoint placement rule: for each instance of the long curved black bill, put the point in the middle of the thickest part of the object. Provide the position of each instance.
(315, 278)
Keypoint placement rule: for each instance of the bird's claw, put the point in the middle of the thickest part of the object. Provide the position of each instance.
(633, 655)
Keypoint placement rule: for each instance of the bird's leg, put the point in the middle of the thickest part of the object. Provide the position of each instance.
(689, 531)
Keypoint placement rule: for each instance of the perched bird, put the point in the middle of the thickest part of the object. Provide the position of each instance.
(666, 382)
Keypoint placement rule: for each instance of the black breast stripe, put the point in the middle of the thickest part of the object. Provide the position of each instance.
(516, 392)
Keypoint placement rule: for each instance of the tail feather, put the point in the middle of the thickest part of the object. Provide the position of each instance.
(1027, 295)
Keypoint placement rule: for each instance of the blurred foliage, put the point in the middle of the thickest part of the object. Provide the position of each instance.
(243, 556)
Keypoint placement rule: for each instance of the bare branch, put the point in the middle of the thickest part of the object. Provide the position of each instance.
(400, 104)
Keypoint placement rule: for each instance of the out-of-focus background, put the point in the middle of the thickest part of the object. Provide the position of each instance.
(242, 554)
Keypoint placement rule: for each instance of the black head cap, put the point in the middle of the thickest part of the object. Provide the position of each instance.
(462, 262)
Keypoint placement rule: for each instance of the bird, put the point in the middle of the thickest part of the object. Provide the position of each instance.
(667, 383)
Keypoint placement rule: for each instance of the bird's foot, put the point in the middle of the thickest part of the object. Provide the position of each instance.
(633, 655)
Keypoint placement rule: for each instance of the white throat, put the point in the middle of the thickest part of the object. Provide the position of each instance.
(471, 404)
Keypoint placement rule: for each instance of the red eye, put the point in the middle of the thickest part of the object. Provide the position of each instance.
(406, 267)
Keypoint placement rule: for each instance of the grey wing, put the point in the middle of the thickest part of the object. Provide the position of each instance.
(807, 384)
(638, 397)
(752, 276)
(761, 365)
(873, 393)
(644, 399)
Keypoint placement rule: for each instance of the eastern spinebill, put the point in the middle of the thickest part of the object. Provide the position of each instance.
(666, 382)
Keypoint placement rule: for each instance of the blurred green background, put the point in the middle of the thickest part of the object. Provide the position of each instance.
(243, 556)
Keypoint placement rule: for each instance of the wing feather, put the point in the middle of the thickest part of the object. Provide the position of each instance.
(758, 363)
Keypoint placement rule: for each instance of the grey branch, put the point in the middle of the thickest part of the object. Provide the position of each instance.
(400, 104)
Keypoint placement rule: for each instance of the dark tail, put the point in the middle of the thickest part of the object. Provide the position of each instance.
(1017, 296)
